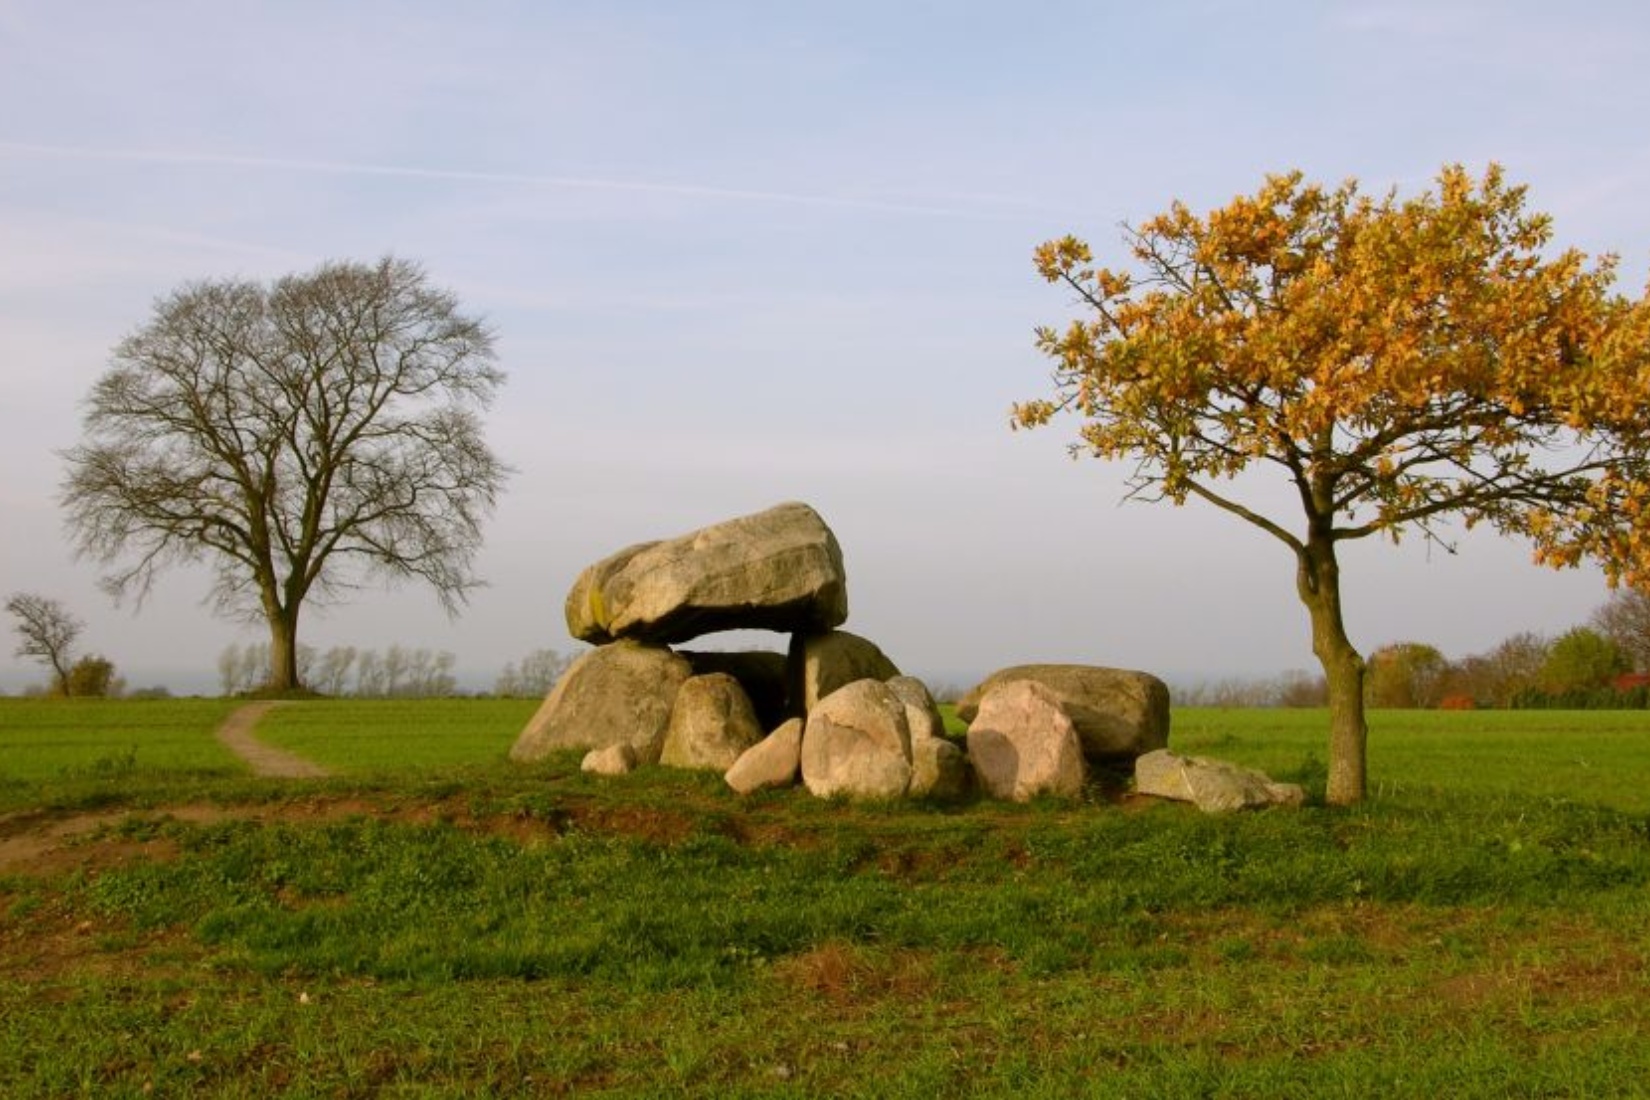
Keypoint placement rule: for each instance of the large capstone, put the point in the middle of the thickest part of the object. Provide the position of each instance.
(618, 694)
(776, 570)
(1119, 714)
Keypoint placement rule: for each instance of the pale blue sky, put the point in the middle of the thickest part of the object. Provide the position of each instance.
(739, 253)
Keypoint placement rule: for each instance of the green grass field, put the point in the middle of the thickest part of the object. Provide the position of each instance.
(52, 739)
(365, 735)
(1590, 756)
(438, 922)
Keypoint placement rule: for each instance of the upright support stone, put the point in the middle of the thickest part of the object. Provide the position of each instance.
(821, 664)
(1023, 744)
(618, 694)
(857, 744)
(711, 724)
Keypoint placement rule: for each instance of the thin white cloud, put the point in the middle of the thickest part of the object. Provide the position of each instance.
(586, 183)
(75, 251)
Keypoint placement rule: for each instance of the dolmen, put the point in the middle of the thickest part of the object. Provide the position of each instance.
(831, 710)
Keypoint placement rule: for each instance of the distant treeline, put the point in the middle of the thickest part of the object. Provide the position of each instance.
(1602, 666)
(398, 672)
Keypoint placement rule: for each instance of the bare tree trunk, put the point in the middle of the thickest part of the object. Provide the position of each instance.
(1319, 583)
(60, 677)
(283, 650)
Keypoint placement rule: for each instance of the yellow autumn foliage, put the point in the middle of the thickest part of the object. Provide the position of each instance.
(1401, 360)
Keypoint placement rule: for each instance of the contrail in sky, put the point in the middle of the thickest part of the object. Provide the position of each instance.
(586, 183)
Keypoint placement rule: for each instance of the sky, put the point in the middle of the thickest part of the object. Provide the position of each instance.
(738, 253)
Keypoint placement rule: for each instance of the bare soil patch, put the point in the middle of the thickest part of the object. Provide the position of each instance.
(48, 843)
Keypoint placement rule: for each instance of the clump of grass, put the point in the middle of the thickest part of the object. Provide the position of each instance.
(115, 764)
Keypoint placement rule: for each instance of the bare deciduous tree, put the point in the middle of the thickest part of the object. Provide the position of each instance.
(1625, 620)
(47, 632)
(334, 669)
(369, 674)
(298, 437)
(1496, 678)
(429, 674)
(397, 662)
(534, 677)
(229, 664)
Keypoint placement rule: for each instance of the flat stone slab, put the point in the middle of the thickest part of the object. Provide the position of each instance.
(1213, 786)
(775, 570)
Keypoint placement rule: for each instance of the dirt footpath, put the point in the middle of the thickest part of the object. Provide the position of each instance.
(40, 841)
(237, 732)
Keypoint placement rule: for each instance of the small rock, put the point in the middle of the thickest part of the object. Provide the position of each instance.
(939, 769)
(1213, 786)
(762, 673)
(613, 760)
(771, 763)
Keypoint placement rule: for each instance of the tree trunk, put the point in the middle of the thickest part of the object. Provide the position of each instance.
(60, 677)
(283, 650)
(1319, 583)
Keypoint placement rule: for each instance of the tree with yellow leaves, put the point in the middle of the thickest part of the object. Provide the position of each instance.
(1402, 363)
